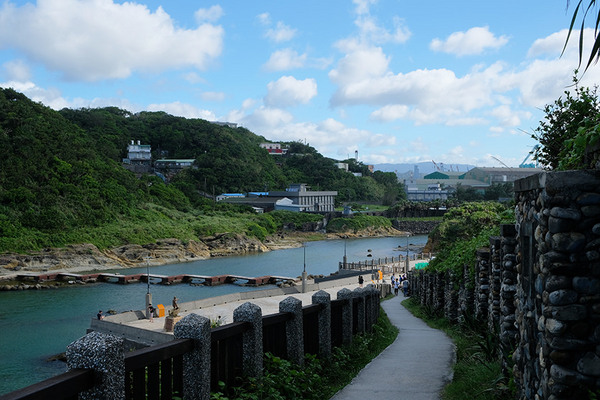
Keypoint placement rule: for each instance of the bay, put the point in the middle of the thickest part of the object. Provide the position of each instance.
(37, 324)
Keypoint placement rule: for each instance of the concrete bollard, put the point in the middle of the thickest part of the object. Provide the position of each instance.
(196, 364)
(346, 294)
(294, 329)
(323, 298)
(104, 354)
(252, 339)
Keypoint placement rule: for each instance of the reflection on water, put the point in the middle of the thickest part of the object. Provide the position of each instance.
(35, 325)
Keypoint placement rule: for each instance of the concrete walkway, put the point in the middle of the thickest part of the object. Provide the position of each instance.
(416, 366)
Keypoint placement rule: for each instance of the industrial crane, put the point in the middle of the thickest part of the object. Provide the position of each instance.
(530, 165)
(500, 161)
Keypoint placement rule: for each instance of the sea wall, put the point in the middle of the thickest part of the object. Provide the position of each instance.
(537, 287)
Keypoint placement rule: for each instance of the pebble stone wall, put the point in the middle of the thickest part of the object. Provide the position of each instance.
(537, 286)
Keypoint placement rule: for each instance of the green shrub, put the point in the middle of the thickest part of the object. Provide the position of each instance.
(256, 230)
(357, 222)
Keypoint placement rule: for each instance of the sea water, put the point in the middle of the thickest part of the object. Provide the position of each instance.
(38, 324)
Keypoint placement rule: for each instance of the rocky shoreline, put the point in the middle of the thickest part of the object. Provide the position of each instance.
(87, 257)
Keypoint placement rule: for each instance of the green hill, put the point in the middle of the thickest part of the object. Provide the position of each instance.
(61, 178)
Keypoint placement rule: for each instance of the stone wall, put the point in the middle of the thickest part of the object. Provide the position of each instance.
(538, 287)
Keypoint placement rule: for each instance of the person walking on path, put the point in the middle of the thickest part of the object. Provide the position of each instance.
(419, 362)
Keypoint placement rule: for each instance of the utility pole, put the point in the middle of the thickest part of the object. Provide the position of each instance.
(148, 294)
(304, 276)
(407, 261)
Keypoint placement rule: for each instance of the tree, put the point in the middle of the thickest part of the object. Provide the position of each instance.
(582, 10)
(561, 131)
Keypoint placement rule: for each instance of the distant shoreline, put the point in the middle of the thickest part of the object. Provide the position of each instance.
(88, 258)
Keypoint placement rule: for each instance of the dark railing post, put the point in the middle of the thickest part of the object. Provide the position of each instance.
(324, 299)
(359, 293)
(196, 364)
(104, 354)
(294, 330)
(346, 294)
(252, 339)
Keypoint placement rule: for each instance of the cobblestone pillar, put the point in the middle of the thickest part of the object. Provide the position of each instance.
(324, 299)
(253, 341)
(294, 330)
(359, 294)
(104, 354)
(346, 294)
(196, 364)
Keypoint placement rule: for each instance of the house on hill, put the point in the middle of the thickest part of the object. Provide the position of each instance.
(139, 158)
(274, 148)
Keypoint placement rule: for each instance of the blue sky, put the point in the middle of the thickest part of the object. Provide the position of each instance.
(397, 81)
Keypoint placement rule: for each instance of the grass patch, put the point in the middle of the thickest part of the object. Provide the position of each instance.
(318, 379)
(477, 373)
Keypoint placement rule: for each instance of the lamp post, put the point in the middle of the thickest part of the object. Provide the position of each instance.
(304, 277)
(407, 261)
(148, 294)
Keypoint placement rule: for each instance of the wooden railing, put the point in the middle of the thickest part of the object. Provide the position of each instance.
(156, 372)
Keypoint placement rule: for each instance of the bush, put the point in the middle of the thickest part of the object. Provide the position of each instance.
(257, 231)
(357, 223)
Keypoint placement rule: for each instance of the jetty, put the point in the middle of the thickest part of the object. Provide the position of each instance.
(154, 278)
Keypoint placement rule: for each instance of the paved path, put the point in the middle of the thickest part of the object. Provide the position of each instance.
(416, 366)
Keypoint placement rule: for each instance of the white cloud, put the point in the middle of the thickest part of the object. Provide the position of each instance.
(390, 112)
(193, 77)
(360, 65)
(211, 14)
(266, 119)
(507, 117)
(100, 39)
(474, 41)
(49, 97)
(16, 70)
(285, 59)
(362, 6)
(264, 19)
(371, 32)
(434, 95)
(288, 91)
(466, 121)
(182, 110)
(213, 96)
(281, 33)
(53, 98)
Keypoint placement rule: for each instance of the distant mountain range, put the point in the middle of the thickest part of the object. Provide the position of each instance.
(424, 167)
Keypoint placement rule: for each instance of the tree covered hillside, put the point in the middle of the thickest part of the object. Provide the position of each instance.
(61, 174)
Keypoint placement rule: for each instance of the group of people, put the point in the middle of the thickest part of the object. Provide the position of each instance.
(400, 282)
(151, 309)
